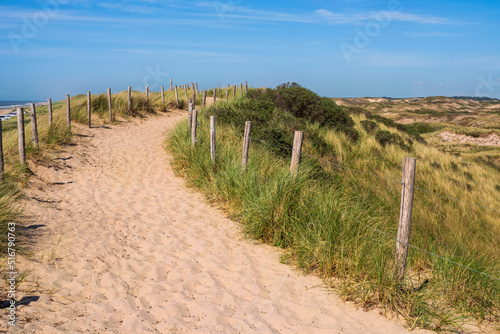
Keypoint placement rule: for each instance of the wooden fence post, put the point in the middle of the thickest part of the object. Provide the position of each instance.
(171, 84)
(20, 130)
(177, 96)
(193, 127)
(194, 99)
(215, 95)
(246, 145)
(110, 107)
(89, 109)
(404, 227)
(246, 87)
(2, 169)
(196, 84)
(234, 94)
(297, 150)
(241, 89)
(68, 111)
(190, 115)
(186, 91)
(34, 127)
(162, 97)
(212, 138)
(204, 97)
(227, 95)
(49, 106)
(130, 100)
(192, 86)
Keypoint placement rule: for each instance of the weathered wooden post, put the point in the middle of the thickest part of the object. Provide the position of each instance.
(162, 97)
(227, 95)
(204, 97)
(89, 109)
(186, 91)
(196, 84)
(110, 107)
(34, 127)
(192, 86)
(212, 138)
(246, 87)
(130, 100)
(297, 150)
(241, 89)
(2, 169)
(215, 95)
(68, 111)
(20, 130)
(49, 106)
(404, 227)
(177, 96)
(194, 99)
(171, 82)
(190, 115)
(234, 93)
(193, 127)
(246, 145)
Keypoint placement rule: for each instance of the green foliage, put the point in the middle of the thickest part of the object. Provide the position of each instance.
(300, 102)
(385, 138)
(369, 126)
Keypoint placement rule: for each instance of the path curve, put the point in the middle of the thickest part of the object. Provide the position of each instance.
(124, 247)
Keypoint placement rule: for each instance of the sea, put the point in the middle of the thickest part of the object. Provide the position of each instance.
(5, 105)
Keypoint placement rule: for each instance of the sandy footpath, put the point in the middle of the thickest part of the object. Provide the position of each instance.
(124, 247)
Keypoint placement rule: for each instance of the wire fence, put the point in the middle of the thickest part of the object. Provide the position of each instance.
(405, 244)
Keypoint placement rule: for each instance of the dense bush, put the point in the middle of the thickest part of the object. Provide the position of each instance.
(385, 138)
(299, 101)
(369, 126)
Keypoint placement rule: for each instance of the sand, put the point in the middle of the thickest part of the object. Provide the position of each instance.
(491, 139)
(122, 246)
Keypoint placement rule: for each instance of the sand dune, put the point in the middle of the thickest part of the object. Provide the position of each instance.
(124, 247)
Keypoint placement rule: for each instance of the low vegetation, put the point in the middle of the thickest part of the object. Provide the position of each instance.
(339, 223)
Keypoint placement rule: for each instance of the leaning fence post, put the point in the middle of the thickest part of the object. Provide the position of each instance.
(196, 84)
(89, 109)
(34, 127)
(130, 100)
(110, 106)
(68, 111)
(49, 105)
(246, 145)
(297, 150)
(20, 130)
(212, 138)
(193, 127)
(404, 227)
(204, 97)
(177, 96)
(1, 152)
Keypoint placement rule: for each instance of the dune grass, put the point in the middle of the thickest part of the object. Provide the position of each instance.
(342, 224)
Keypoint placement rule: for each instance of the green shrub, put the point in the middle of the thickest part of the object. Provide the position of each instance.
(369, 126)
(299, 101)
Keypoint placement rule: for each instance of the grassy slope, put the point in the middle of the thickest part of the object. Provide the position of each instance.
(320, 217)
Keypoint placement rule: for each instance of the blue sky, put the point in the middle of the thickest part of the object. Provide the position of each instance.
(350, 48)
